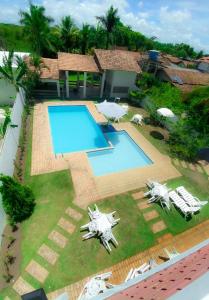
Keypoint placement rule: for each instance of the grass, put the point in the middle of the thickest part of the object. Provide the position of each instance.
(146, 130)
(54, 193)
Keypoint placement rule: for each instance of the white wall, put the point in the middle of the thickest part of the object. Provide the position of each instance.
(9, 147)
(203, 66)
(121, 79)
(7, 92)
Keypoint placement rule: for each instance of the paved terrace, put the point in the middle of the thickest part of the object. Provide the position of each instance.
(89, 188)
(181, 242)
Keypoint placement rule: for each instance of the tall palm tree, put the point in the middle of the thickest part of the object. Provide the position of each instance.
(109, 23)
(84, 38)
(68, 33)
(13, 75)
(37, 28)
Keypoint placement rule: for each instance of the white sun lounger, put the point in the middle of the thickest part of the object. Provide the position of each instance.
(189, 198)
(182, 205)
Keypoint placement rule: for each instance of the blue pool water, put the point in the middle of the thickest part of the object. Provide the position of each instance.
(74, 129)
(125, 155)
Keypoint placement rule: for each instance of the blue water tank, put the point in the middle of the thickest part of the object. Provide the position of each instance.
(153, 55)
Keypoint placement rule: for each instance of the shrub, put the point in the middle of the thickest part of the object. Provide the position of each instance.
(136, 97)
(18, 200)
(184, 141)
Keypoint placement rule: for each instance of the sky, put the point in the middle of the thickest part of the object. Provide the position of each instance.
(169, 20)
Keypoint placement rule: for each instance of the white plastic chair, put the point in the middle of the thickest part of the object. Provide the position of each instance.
(137, 119)
(181, 204)
(189, 198)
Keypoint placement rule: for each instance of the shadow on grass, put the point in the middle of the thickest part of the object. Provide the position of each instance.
(157, 135)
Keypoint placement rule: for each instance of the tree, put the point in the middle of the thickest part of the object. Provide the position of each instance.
(184, 140)
(13, 75)
(109, 23)
(37, 28)
(84, 38)
(68, 33)
(18, 200)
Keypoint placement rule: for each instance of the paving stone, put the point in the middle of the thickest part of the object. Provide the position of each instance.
(22, 287)
(143, 205)
(199, 169)
(138, 195)
(58, 238)
(157, 227)
(73, 213)
(7, 298)
(66, 225)
(37, 271)
(48, 254)
(150, 215)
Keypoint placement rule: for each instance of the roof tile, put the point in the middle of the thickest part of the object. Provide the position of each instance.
(77, 62)
(119, 60)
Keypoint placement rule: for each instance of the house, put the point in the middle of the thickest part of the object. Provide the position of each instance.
(116, 70)
(203, 64)
(8, 91)
(183, 78)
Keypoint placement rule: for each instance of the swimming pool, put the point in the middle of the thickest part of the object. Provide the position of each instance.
(125, 155)
(73, 129)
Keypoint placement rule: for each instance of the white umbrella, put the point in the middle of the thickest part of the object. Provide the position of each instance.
(111, 110)
(165, 112)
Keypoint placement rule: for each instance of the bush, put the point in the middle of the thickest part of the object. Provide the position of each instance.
(166, 95)
(18, 200)
(184, 141)
(136, 97)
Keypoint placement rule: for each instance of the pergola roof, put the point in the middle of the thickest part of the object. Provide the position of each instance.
(49, 69)
(77, 62)
(118, 60)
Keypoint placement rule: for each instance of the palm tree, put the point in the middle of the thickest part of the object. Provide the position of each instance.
(13, 75)
(109, 22)
(84, 34)
(68, 33)
(37, 28)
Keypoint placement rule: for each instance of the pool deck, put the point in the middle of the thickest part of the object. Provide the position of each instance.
(89, 188)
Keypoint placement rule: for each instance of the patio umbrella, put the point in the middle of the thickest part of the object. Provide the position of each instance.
(165, 112)
(111, 110)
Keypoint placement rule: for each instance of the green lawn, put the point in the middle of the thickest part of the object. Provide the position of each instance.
(54, 193)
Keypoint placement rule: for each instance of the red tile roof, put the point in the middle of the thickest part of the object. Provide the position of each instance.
(190, 78)
(76, 62)
(170, 280)
(204, 59)
(118, 60)
(48, 68)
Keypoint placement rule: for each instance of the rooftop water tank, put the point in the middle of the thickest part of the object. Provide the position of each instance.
(153, 55)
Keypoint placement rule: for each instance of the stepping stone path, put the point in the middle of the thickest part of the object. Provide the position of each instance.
(48, 254)
(37, 271)
(143, 205)
(66, 225)
(73, 213)
(58, 238)
(22, 287)
(138, 195)
(150, 215)
(157, 227)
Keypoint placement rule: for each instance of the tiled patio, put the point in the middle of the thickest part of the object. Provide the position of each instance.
(89, 188)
